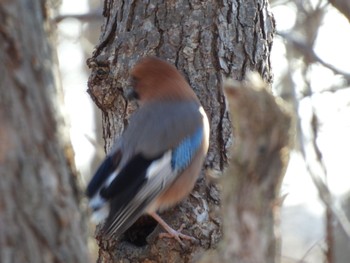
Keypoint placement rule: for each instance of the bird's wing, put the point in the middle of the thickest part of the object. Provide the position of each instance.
(128, 205)
(108, 166)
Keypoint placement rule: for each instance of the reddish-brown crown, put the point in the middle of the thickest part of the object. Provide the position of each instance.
(155, 79)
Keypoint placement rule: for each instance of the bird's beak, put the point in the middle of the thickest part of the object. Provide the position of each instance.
(131, 94)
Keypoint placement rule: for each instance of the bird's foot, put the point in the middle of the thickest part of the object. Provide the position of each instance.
(172, 233)
(176, 234)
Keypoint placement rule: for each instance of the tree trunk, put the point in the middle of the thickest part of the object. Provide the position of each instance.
(251, 185)
(205, 40)
(40, 219)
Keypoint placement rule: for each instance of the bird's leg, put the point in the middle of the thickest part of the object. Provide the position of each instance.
(172, 233)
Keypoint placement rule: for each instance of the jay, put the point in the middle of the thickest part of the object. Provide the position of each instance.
(158, 158)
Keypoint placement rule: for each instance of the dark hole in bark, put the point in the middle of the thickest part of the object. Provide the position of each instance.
(139, 231)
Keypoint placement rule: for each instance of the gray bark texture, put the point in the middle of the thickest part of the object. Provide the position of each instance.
(206, 41)
(40, 220)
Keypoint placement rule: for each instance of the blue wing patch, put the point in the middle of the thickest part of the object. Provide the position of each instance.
(183, 154)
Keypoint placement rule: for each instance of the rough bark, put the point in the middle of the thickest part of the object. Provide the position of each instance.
(205, 40)
(40, 220)
(250, 196)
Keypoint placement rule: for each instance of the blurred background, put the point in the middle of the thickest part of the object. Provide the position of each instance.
(310, 59)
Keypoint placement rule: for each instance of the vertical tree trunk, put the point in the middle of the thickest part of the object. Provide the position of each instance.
(40, 219)
(205, 40)
(251, 185)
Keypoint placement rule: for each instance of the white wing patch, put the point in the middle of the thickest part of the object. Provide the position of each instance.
(159, 176)
(98, 204)
(160, 165)
(101, 214)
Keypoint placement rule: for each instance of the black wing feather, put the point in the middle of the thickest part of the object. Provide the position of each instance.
(129, 178)
(111, 226)
(123, 190)
(107, 167)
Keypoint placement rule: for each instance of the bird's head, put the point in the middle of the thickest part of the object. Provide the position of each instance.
(153, 79)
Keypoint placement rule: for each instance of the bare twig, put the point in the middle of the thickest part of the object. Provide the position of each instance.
(88, 17)
(317, 170)
(302, 260)
(100, 152)
(343, 7)
(291, 259)
(311, 56)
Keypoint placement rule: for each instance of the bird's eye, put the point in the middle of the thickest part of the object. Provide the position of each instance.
(102, 73)
(131, 94)
(133, 81)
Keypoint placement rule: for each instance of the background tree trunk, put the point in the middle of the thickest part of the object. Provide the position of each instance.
(251, 186)
(40, 220)
(205, 40)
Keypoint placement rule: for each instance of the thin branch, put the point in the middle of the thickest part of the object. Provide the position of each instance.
(316, 167)
(291, 259)
(311, 56)
(100, 152)
(317, 170)
(302, 260)
(334, 88)
(343, 6)
(88, 17)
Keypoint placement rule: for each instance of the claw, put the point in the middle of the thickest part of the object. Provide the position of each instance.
(176, 234)
(172, 233)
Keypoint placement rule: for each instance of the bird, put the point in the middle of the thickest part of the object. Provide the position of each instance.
(156, 161)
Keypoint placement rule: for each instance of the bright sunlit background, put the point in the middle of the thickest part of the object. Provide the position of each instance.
(302, 214)
(72, 52)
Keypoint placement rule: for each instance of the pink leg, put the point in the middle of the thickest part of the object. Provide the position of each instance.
(172, 233)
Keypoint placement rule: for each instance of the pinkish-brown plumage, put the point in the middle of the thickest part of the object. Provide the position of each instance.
(154, 79)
